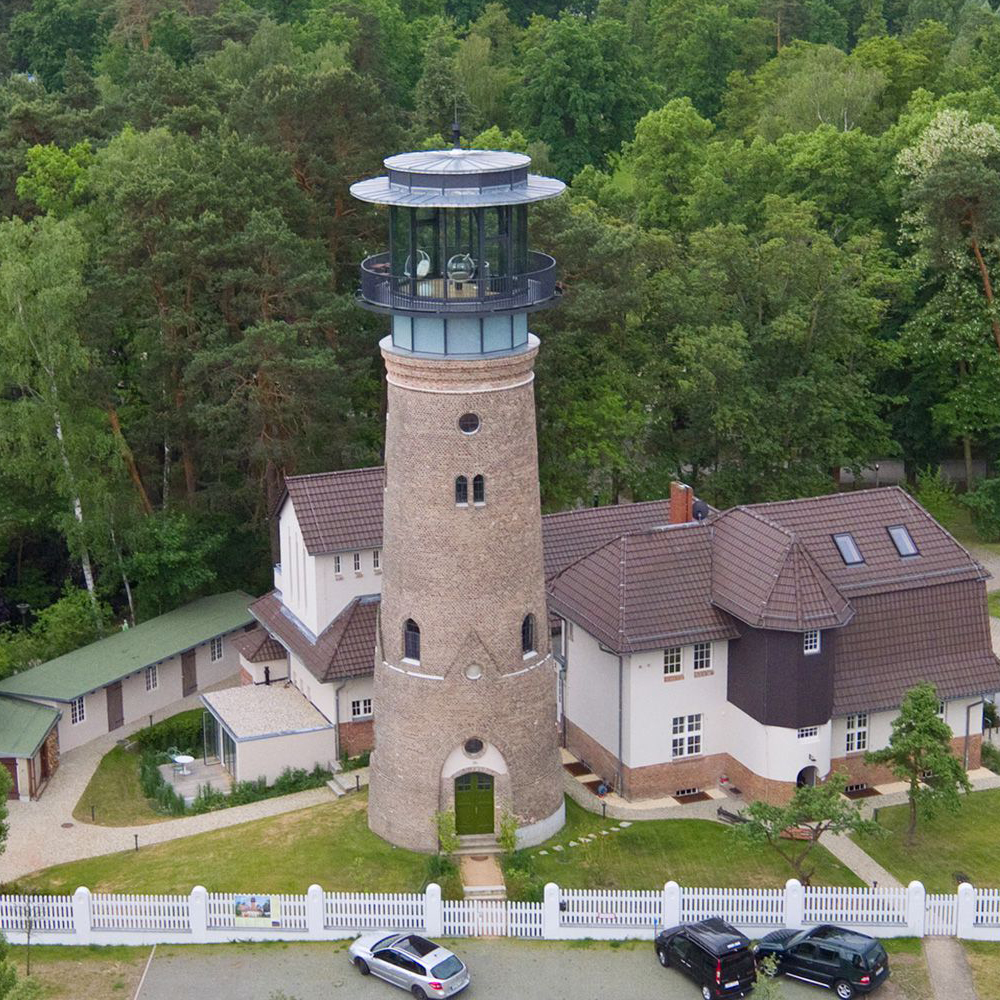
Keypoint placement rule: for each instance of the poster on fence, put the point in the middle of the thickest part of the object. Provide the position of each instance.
(256, 911)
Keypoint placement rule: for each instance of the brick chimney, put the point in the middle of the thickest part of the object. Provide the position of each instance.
(681, 503)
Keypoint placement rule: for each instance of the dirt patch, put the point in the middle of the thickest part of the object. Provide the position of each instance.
(69, 973)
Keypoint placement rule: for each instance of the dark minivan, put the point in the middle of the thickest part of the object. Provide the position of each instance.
(847, 962)
(712, 953)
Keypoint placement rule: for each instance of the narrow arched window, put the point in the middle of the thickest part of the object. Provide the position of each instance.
(461, 490)
(478, 489)
(411, 640)
(528, 634)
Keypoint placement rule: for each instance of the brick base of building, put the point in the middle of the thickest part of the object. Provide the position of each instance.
(859, 772)
(356, 737)
(245, 676)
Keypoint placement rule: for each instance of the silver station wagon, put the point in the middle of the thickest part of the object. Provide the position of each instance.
(410, 962)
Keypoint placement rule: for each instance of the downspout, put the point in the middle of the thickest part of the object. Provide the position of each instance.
(336, 716)
(968, 726)
(621, 673)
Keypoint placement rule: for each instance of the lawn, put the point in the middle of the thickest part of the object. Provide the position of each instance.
(330, 845)
(115, 794)
(993, 601)
(966, 842)
(984, 961)
(110, 973)
(650, 852)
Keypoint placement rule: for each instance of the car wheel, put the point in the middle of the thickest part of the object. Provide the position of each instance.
(706, 993)
(664, 958)
(418, 993)
(362, 966)
(843, 989)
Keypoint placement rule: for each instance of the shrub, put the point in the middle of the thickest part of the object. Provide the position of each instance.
(523, 881)
(181, 732)
(353, 763)
(447, 834)
(991, 757)
(507, 837)
(208, 799)
(936, 494)
(984, 502)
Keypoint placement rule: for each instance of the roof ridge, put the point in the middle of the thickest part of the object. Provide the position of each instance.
(334, 472)
(893, 488)
(745, 508)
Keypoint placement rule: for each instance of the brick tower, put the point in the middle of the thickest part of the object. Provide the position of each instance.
(465, 685)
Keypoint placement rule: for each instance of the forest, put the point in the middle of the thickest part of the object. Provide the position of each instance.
(779, 254)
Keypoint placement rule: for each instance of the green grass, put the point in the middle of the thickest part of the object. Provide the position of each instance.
(650, 852)
(964, 842)
(330, 845)
(993, 602)
(115, 794)
(984, 961)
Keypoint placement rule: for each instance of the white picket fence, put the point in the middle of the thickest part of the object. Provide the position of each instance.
(203, 917)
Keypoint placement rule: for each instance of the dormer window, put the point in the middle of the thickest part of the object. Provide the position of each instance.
(811, 642)
(848, 549)
(903, 540)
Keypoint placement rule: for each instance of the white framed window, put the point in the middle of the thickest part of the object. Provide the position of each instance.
(811, 642)
(357, 562)
(857, 732)
(702, 656)
(857, 786)
(940, 710)
(76, 710)
(809, 733)
(686, 736)
(361, 707)
(681, 793)
(217, 648)
(336, 565)
(672, 662)
(152, 678)
(903, 540)
(376, 559)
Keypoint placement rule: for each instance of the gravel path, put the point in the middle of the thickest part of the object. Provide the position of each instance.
(949, 971)
(38, 838)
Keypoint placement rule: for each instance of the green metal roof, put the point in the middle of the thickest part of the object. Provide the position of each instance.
(23, 726)
(108, 660)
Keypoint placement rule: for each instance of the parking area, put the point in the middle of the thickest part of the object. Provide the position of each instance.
(501, 969)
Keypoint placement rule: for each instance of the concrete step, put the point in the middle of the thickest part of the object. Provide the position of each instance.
(478, 843)
(334, 785)
(485, 891)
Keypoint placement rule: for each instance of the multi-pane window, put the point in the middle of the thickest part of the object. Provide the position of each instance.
(848, 548)
(686, 736)
(411, 640)
(76, 711)
(336, 565)
(152, 681)
(217, 648)
(857, 732)
(672, 661)
(461, 490)
(702, 656)
(528, 634)
(376, 558)
(357, 562)
(478, 489)
(810, 641)
(901, 538)
(808, 732)
(361, 707)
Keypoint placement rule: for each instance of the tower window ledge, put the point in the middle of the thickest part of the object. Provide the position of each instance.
(406, 659)
(466, 505)
(479, 503)
(530, 655)
(338, 576)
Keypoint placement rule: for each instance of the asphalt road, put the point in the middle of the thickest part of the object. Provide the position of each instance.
(501, 970)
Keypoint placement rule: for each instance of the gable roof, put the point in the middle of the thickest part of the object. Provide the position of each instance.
(337, 511)
(258, 646)
(110, 659)
(346, 648)
(24, 726)
(762, 574)
(866, 515)
(644, 590)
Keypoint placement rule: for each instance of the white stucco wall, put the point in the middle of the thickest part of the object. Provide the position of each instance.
(355, 689)
(269, 757)
(278, 669)
(590, 690)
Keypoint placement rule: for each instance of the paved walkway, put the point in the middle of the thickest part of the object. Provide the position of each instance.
(861, 863)
(38, 838)
(948, 968)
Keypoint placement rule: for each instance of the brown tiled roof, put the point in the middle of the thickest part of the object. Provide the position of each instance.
(346, 648)
(866, 514)
(644, 590)
(338, 511)
(762, 574)
(939, 634)
(258, 646)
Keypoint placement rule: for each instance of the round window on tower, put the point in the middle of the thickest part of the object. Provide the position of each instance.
(473, 671)
(474, 747)
(468, 423)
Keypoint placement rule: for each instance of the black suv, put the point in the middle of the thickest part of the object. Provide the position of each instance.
(712, 953)
(845, 961)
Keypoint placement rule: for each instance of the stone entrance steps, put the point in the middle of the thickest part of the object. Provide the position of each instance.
(482, 877)
(478, 843)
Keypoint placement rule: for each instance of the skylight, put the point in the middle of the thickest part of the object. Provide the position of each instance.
(901, 538)
(848, 548)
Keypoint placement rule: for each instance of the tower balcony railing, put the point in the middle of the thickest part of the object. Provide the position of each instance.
(382, 290)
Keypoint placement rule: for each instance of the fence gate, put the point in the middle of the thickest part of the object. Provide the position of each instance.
(475, 918)
(941, 915)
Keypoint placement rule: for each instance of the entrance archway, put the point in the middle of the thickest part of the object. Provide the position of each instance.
(474, 803)
(807, 777)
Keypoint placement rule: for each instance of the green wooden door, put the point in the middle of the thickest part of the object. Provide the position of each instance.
(474, 803)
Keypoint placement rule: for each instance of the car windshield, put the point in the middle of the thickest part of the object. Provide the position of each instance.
(451, 966)
(382, 943)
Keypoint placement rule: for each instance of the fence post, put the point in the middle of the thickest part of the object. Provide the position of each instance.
(314, 912)
(670, 911)
(81, 915)
(198, 903)
(795, 904)
(550, 913)
(433, 910)
(966, 915)
(916, 905)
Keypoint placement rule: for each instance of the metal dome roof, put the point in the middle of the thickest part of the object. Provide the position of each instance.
(457, 178)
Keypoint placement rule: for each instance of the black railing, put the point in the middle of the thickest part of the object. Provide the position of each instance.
(436, 293)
